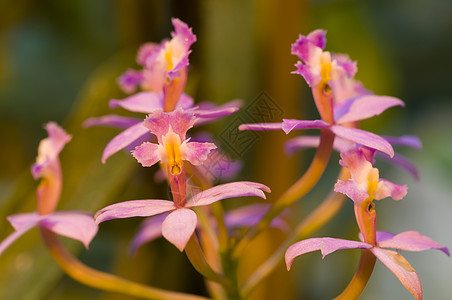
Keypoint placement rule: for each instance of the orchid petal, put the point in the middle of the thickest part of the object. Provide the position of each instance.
(124, 139)
(405, 140)
(380, 236)
(364, 138)
(196, 153)
(228, 190)
(401, 269)
(179, 226)
(147, 154)
(159, 123)
(24, 219)
(367, 106)
(325, 245)
(75, 225)
(310, 141)
(130, 80)
(215, 113)
(355, 192)
(149, 230)
(111, 121)
(133, 208)
(185, 101)
(144, 102)
(261, 126)
(386, 188)
(306, 72)
(411, 241)
(250, 215)
(291, 124)
(14, 236)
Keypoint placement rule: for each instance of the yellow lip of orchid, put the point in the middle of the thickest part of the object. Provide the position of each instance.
(171, 152)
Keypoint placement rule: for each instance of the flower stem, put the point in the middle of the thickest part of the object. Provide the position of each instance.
(361, 277)
(104, 281)
(296, 191)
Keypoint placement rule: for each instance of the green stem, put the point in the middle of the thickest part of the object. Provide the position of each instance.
(296, 191)
(361, 277)
(104, 281)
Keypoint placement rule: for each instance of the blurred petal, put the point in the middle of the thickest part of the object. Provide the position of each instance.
(386, 188)
(367, 106)
(325, 245)
(75, 225)
(405, 140)
(291, 124)
(133, 208)
(147, 154)
(364, 138)
(123, 139)
(228, 190)
(178, 227)
(250, 215)
(261, 126)
(144, 102)
(411, 241)
(149, 230)
(14, 236)
(24, 219)
(130, 80)
(401, 269)
(112, 121)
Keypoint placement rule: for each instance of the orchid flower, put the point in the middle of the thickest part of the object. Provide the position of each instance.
(180, 223)
(408, 240)
(76, 225)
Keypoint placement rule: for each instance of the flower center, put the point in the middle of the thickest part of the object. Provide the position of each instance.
(171, 141)
(169, 60)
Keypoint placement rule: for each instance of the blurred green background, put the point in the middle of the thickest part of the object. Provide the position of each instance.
(59, 61)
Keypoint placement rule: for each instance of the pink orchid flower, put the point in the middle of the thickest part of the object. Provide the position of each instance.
(76, 225)
(179, 225)
(408, 240)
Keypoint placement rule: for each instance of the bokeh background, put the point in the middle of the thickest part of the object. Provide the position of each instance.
(59, 61)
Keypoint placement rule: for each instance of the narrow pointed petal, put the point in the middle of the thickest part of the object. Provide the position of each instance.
(14, 236)
(386, 188)
(215, 113)
(366, 107)
(250, 215)
(123, 140)
(196, 153)
(144, 102)
(411, 241)
(133, 208)
(75, 225)
(364, 138)
(147, 154)
(261, 126)
(228, 190)
(111, 121)
(178, 227)
(24, 219)
(401, 269)
(325, 245)
(149, 230)
(405, 140)
(291, 124)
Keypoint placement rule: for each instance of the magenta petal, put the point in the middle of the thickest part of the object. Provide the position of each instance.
(291, 124)
(133, 208)
(401, 269)
(386, 188)
(380, 236)
(147, 154)
(306, 72)
(197, 153)
(411, 241)
(352, 190)
(75, 225)
(24, 219)
(178, 227)
(228, 190)
(367, 106)
(325, 245)
(364, 138)
(180, 121)
(124, 139)
(130, 80)
(111, 121)
(261, 126)
(149, 230)
(144, 102)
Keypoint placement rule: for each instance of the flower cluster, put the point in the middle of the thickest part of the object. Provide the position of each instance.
(160, 137)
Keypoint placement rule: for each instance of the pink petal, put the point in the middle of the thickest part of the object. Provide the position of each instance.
(261, 126)
(14, 236)
(24, 219)
(144, 102)
(130, 80)
(112, 121)
(401, 269)
(185, 101)
(367, 106)
(364, 138)
(352, 190)
(75, 225)
(325, 245)
(306, 72)
(180, 121)
(149, 230)
(405, 140)
(145, 51)
(123, 139)
(380, 236)
(178, 227)
(228, 190)
(215, 113)
(386, 188)
(133, 208)
(411, 241)
(197, 153)
(250, 215)
(147, 154)
(291, 124)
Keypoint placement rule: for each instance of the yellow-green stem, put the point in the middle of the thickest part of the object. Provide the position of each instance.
(361, 277)
(104, 281)
(296, 191)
